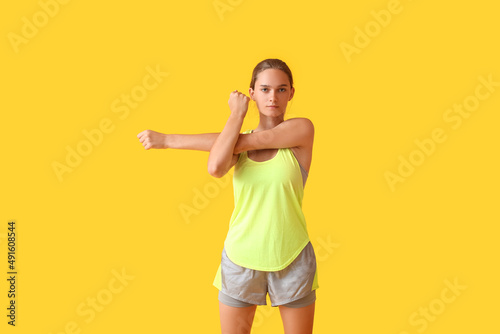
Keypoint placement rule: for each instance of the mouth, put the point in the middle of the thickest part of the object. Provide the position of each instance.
(272, 106)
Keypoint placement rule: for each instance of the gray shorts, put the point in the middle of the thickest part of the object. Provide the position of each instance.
(291, 286)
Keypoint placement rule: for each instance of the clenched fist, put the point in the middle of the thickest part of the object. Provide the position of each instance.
(152, 139)
(238, 103)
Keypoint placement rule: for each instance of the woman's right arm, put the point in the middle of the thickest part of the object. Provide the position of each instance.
(222, 156)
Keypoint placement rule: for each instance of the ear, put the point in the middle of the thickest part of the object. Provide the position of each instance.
(292, 93)
(251, 92)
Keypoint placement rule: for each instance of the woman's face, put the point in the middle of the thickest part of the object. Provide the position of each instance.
(272, 88)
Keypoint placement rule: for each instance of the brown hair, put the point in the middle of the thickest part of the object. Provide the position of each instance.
(271, 63)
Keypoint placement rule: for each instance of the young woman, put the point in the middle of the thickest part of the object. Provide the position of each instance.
(267, 249)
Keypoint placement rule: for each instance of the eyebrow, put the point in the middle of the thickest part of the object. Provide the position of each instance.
(285, 85)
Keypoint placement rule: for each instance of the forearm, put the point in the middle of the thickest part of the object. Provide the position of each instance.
(200, 142)
(222, 150)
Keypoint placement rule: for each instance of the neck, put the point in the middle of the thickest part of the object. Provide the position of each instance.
(267, 122)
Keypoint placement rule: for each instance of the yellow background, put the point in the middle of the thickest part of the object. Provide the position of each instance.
(120, 208)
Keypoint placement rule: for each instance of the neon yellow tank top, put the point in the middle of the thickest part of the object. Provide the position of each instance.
(267, 229)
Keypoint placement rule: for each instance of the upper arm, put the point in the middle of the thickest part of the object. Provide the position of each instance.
(294, 132)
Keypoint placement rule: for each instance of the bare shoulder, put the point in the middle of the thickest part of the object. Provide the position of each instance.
(304, 122)
(303, 154)
(303, 127)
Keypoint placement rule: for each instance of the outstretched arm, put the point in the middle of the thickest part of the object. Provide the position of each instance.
(292, 132)
(201, 142)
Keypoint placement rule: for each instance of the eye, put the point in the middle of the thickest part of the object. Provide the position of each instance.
(283, 89)
(263, 88)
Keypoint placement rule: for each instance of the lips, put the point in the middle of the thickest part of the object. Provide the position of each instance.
(273, 106)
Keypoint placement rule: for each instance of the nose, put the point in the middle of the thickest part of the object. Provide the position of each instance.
(272, 97)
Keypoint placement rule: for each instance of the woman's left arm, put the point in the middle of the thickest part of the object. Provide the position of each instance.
(294, 132)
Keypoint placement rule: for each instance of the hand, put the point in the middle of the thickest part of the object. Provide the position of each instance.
(152, 139)
(238, 103)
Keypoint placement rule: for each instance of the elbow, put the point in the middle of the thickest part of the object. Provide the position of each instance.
(215, 171)
(216, 166)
